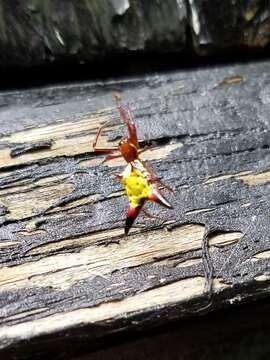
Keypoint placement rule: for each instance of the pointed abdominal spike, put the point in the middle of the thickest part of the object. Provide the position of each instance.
(157, 197)
(132, 214)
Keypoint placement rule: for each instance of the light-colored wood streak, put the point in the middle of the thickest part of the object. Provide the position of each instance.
(116, 193)
(198, 211)
(95, 237)
(189, 262)
(63, 270)
(247, 177)
(255, 179)
(178, 292)
(23, 314)
(234, 79)
(8, 244)
(19, 186)
(262, 255)
(262, 278)
(65, 140)
(245, 205)
(212, 180)
(22, 200)
(74, 203)
(59, 130)
(225, 238)
(169, 294)
(27, 232)
(60, 147)
(22, 205)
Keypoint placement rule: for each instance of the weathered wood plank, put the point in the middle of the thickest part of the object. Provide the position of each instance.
(65, 263)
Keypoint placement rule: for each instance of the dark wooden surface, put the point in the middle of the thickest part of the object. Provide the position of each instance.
(67, 270)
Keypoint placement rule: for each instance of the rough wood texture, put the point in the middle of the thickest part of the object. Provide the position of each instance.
(43, 32)
(67, 270)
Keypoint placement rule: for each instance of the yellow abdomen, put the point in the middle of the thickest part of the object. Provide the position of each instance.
(136, 185)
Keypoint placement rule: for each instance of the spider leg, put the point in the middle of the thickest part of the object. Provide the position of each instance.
(113, 156)
(145, 148)
(102, 149)
(156, 179)
(152, 216)
(159, 181)
(128, 120)
(118, 175)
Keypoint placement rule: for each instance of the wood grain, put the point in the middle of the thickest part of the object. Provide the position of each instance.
(66, 265)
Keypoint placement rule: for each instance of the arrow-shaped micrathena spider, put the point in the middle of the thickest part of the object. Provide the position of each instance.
(140, 182)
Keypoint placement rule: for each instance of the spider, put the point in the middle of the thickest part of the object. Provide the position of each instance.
(140, 181)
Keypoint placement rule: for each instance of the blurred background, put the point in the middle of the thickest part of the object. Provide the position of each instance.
(64, 40)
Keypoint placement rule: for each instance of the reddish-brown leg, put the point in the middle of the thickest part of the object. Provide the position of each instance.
(152, 216)
(155, 179)
(159, 181)
(108, 149)
(101, 149)
(145, 148)
(118, 175)
(128, 120)
(111, 157)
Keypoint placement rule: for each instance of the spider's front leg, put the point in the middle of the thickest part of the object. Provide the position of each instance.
(111, 149)
(101, 149)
